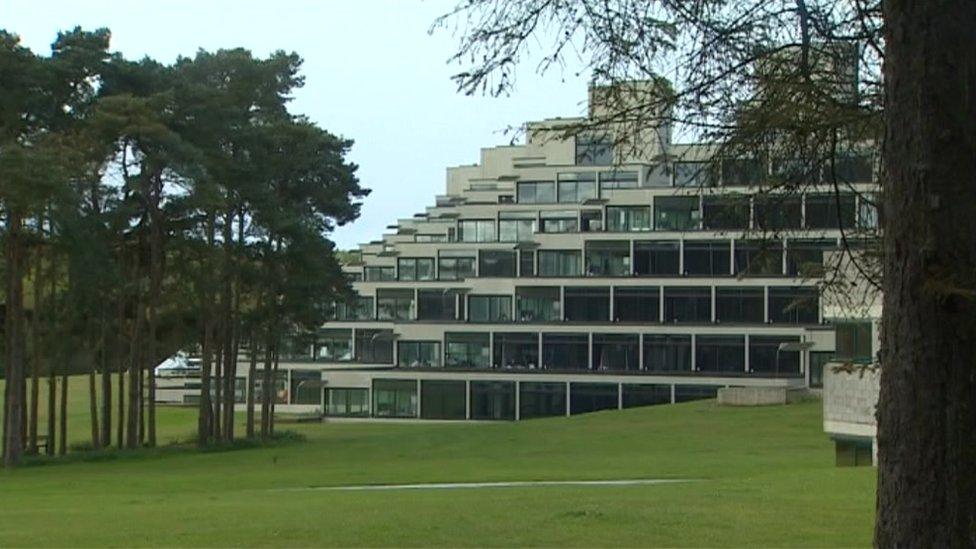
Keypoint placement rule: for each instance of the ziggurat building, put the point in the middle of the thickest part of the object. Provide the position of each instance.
(561, 276)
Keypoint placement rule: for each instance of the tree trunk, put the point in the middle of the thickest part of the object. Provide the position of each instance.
(155, 290)
(14, 378)
(205, 416)
(218, 387)
(63, 446)
(927, 408)
(251, 372)
(229, 326)
(52, 410)
(266, 390)
(135, 383)
(106, 406)
(93, 409)
(36, 350)
(274, 394)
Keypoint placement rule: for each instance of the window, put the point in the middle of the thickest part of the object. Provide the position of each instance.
(516, 350)
(333, 345)
(607, 258)
(419, 354)
(456, 267)
(476, 230)
(593, 150)
(794, 305)
(430, 238)
(565, 351)
(377, 274)
(587, 304)
(636, 304)
(358, 308)
(676, 213)
(853, 341)
(496, 263)
(614, 180)
(489, 308)
(688, 304)
(394, 398)
(577, 187)
(829, 211)
(559, 262)
(536, 192)
(592, 397)
(306, 387)
(443, 399)
(592, 221)
(765, 356)
(667, 353)
(559, 221)
(851, 169)
(693, 174)
(739, 304)
(742, 171)
(645, 395)
(394, 304)
(867, 211)
(704, 257)
(436, 304)
(526, 263)
(374, 346)
(415, 268)
(720, 354)
(777, 212)
(817, 362)
(727, 212)
(346, 402)
(616, 352)
(516, 226)
(657, 175)
(805, 258)
(467, 350)
(628, 218)
(657, 257)
(759, 257)
(493, 400)
(541, 399)
(687, 393)
(537, 304)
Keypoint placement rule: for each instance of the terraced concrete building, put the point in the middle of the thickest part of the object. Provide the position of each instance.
(562, 276)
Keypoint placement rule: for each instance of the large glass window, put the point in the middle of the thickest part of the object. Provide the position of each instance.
(526, 263)
(688, 304)
(614, 180)
(436, 304)
(394, 398)
(759, 257)
(496, 263)
(516, 226)
(725, 212)
(608, 258)
(565, 351)
(394, 304)
(693, 174)
(592, 221)
(657, 257)
(592, 397)
(645, 395)
(853, 341)
(794, 305)
(705, 257)
(687, 393)
(720, 354)
(374, 346)
(559, 221)
(765, 356)
(443, 399)
(476, 230)
(851, 169)
(777, 212)
(419, 354)
(333, 345)
(493, 400)
(742, 171)
(637, 304)
(357, 308)
(456, 267)
(490, 308)
(577, 187)
(541, 399)
(805, 258)
(867, 211)
(536, 192)
(559, 262)
(628, 218)
(667, 352)
(739, 304)
(340, 402)
(467, 350)
(415, 268)
(378, 274)
(306, 387)
(594, 150)
(587, 304)
(676, 213)
(616, 352)
(830, 211)
(516, 350)
(537, 304)
(818, 360)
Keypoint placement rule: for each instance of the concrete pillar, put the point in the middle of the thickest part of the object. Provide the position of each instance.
(518, 398)
(467, 399)
(567, 399)
(620, 396)
(419, 397)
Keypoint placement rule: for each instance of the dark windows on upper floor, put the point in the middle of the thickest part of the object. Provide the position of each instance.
(759, 257)
(637, 304)
(667, 353)
(516, 226)
(608, 258)
(565, 351)
(537, 304)
(676, 213)
(577, 187)
(853, 341)
(591, 221)
(333, 345)
(628, 218)
(456, 265)
(693, 174)
(489, 308)
(419, 354)
(805, 258)
(536, 192)
(496, 263)
(467, 350)
(559, 221)
(526, 263)
(586, 304)
(720, 353)
(560, 263)
(356, 308)
(708, 258)
(374, 346)
(830, 211)
(379, 274)
(777, 212)
(415, 268)
(617, 180)
(618, 352)
(794, 305)
(476, 230)
(746, 304)
(436, 304)
(657, 257)
(515, 350)
(594, 150)
(688, 304)
(725, 212)
(394, 304)
(743, 171)
(773, 355)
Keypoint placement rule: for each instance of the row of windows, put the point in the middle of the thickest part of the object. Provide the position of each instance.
(675, 304)
(606, 258)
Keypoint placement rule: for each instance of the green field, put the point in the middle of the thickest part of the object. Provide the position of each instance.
(764, 476)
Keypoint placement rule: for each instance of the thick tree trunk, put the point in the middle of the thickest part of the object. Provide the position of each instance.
(267, 390)
(135, 383)
(229, 326)
(155, 291)
(63, 446)
(52, 415)
(14, 378)
(205, 416)
(927, 410)
(36, 351)
(251, 372)
(218, 387)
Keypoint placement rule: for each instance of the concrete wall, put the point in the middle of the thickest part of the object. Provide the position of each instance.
(850, 400)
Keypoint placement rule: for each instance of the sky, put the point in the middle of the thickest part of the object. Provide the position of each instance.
(372, 71)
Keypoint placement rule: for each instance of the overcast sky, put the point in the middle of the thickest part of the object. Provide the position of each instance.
(373, 74)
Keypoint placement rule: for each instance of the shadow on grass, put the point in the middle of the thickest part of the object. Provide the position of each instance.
(84, 453)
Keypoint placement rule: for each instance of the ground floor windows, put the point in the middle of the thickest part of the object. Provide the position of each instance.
(306, 387)
(443, 399)
(592, 397)
(667, 353)
(685, 393)
(346, 402)
(467, 350)
(419, 354)
(394, 398)
(720, 353)
(541, 399)
(565, 351)
(645, 395)
(516, 350)
(766, 355)
(618, 352)
(493, 400)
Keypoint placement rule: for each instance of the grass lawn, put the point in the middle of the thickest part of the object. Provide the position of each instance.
(766, 477)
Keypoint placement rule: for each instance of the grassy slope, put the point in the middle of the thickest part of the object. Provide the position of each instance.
(767, 479)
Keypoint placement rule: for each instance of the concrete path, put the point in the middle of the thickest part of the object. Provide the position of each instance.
(510, 484)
